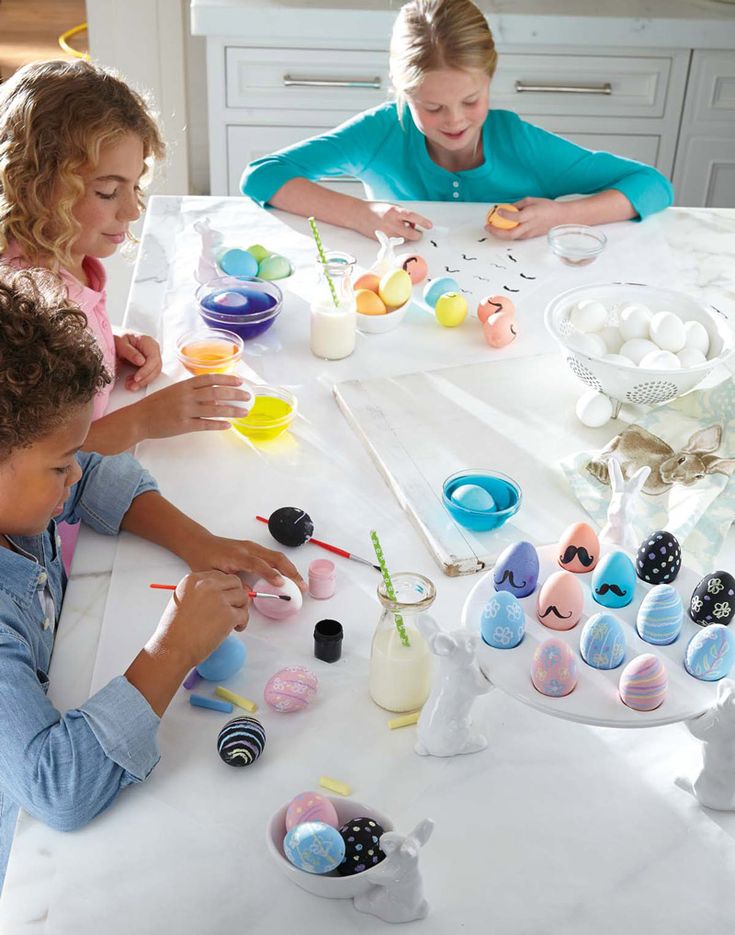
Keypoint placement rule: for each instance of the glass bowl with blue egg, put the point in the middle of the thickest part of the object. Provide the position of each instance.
(247, 306)
(481, 500)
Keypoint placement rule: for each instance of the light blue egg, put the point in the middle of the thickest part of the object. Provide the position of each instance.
(503, 622)
(660, 615)
(435, 288)
(710, 653)
(225, 661)
(614, 570)
(602, 641)
(314, 847)
(236, 262)
(516, 569)
(472, 497)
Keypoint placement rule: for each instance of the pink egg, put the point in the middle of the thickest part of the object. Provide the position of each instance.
(560, 601)
(554, 668)
(278, 610)
(291, 689)
(492, 304)
(416, 267)
(500, 329)
(579, 548)
(643, 683)
(310, 806)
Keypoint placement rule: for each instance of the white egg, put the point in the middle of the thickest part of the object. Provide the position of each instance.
(634, 321)
(637, 348)
(660, 360)
(667, 330)
(618, 359)
(696, 337)
(588, 316)
(612, 337)
(593, 409)
(589, 344)
(691, 357)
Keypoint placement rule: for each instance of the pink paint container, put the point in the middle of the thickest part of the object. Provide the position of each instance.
(322, 579)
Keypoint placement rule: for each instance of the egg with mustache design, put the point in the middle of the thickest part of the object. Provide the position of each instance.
(516, 569)
(613, 581)
(579, 548)
(560, 601)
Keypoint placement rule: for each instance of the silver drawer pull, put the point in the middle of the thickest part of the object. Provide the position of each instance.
(605, 88)
(290, 81)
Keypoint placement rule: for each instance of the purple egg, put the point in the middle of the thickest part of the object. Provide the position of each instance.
(516, 569)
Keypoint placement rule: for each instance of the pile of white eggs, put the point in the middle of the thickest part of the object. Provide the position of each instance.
(652, 340)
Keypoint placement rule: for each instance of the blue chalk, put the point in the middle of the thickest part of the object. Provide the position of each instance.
(199, 701)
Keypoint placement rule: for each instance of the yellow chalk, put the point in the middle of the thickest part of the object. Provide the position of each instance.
(403, 721)
(334, 785)
(241, 702)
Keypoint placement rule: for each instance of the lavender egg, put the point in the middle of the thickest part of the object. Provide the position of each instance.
(516, 569)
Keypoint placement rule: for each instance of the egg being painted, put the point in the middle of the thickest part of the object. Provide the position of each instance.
(579, 548)
(416, 267)
(713, 599)
(602, 641)
(643, 683)
(516, 569)
(314, 847)
(710, 653)
(613, 581)
(660, 615)
(554, 668)
(503, 622)
(658, 560)
(560, 601)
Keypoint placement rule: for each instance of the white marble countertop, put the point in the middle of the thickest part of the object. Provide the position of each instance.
(556, 827)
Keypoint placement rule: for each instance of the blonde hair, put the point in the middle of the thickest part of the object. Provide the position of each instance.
(432, 34)
(54, 119)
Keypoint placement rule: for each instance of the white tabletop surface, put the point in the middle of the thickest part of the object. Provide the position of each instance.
(557, 826)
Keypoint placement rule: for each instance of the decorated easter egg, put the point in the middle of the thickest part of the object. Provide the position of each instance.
(368, 303)
(274, 267)
(658, 560)
(613, 580)
(362, 845)
(500, 329)
(516, 569)
(560, 601)
(310, 806)
(236, 262)
(291, 689)
(451, 309)
(579, 548)
(635, 321)
(492, 304)
(241, 741)
(643, 683)
(314, 847)
(589, 315)
(595, 409)
(660, 615)
(395, 288)
(697, 338)
(368, 281)
(258, 251)
(278, 610)
(438, 287)
(602, 641)
(667, 330)
(290, 526)
(554, 668)
(713, 599)
(494, 219)
(225, 661)
(473, 497)
(710, 653)
(503, 622)
(416, 267)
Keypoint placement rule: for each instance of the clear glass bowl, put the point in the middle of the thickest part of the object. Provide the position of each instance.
(209, 351)
(576, 244)
(246, 306)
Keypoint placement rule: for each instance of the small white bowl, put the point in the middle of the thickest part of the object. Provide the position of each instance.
(380, 324)
(330, 885)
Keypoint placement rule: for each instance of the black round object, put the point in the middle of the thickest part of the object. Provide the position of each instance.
(713, 599)
(290, 526)
(362, 846)
(659, 558)
(241, 741)
(328, 640)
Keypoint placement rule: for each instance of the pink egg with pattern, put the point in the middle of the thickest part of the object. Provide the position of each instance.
(310, 806)
(554, 668)
(643, 683)
(291, 689)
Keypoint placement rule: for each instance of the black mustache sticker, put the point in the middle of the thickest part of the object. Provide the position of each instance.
(604, 588)
(508, 576)
(571, 550)
(551, 609)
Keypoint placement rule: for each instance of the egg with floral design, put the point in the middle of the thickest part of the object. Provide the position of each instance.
(503, 622)
(560, 601)
(314, 847)
(516, 569)
(643, 683)
(613, 581)
(713, 599)
(658, 560)
(710, 653)
(660, 615)
(579, 548)
(554, 668)
(602, 641)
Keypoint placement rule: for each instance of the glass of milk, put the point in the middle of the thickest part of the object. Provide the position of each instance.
(400, 675)
(334, 327)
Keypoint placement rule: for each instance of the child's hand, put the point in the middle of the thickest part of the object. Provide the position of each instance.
(235, 555)
(392, 220)
(536, 217)
(192, 406)
(143, 352)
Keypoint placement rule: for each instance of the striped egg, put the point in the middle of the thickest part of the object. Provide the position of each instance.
(660, 615)
(710, 653)
(311, 806)
(291, 689)
(602, 642)
(643, 683)
(241, 741)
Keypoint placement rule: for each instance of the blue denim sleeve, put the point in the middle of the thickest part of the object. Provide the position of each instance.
(107, 487)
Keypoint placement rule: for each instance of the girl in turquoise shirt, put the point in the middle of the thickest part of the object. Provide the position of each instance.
(440, 142)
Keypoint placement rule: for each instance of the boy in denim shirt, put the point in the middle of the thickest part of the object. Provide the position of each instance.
(65, 769)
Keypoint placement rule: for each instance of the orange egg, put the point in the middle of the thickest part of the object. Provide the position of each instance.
(368, 303)
(579, 548)
(368, 281)
(500, 329)
(560, 601)
(492, 304)
(497, 220)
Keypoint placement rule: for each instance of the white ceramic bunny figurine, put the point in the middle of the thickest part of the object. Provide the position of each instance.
(714, 785)
(398, 894)
(386, 259)
(445, 726)
(211, 240)
(618, 530)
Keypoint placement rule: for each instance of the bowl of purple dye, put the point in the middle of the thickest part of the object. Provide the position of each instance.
(246, 306)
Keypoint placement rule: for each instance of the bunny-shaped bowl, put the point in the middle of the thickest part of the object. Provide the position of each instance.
(331, 885)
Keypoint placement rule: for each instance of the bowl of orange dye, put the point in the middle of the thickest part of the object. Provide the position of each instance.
(209, 351)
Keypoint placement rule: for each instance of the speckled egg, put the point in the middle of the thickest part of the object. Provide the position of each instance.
(713, 599)
(660, 615)
(554, 668)
(226, 660)
(438, 287)
(643, 683)
(579, 548)
(492, 304)
(416, 267)
(613, 580)
(503, 622)
(310, 806)
(314, 847)
(560, 601)
(500, 329)
(395, 288)
(516, 569)
(291, 689)
(602, 641)
(362, 845)
(658, 560)
(710, 653)
(241, 741)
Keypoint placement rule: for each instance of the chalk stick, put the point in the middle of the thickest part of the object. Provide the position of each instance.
(404, 720)
(191, 679)
(238, 700)
(334, 785)
(200, 701)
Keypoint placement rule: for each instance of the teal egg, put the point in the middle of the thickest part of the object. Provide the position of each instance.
(660, 615)
(314, 847)
(710, 653)
(436, 288)
(602, 641)
(503, 622)
(237, 262)
(613, 580)
(472, 497)
(274, 267)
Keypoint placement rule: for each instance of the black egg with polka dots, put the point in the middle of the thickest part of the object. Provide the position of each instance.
(362, 851)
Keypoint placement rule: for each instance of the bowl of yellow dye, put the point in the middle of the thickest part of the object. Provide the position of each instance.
(209, 351)
(271, 413)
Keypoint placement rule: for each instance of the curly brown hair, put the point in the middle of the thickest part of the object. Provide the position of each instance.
(49, 362)
(54, 119)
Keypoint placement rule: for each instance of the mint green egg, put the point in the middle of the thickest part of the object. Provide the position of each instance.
(274, 267)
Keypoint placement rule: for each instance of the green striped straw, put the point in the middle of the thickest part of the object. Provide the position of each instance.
(389, 589)
(323, 258)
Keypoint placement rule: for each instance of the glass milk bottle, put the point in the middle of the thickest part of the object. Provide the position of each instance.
(400, 674)
(334, 327)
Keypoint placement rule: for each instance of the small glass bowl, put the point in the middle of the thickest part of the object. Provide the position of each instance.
(271, 413)
(209, 351)
(506, 494)
(576, 244)
(246, 306)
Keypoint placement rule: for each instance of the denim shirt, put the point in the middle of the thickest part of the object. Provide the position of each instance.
(64, 768)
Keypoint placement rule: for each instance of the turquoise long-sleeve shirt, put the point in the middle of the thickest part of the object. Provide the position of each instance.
(521, 160)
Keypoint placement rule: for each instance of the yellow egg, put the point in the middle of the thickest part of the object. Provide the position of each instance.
(497, 220)
(368, 303)
(395, 288)
(368, 281)
(451, 309)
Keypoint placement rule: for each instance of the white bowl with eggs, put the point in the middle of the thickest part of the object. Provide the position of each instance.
(574, 318)
(380, 324)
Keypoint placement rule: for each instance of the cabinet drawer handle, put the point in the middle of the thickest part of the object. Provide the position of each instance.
(605, 88)
(289, 81)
